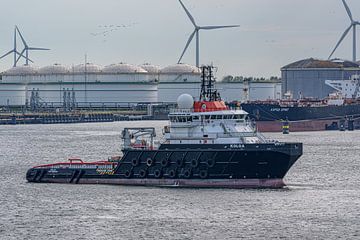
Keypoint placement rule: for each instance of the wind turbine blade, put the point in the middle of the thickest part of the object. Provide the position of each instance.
(217, 27)
(342, 38)
(348, 10)
(35, 48)
(188, 13)
(11, 51)
(187, 44)
(21, 55)
(22, 38)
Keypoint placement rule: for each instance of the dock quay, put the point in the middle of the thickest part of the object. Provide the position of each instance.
(71, 117)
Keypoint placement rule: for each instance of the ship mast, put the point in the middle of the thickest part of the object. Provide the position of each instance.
(208, 91)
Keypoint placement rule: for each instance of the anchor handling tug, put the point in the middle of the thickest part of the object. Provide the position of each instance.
(206, 145)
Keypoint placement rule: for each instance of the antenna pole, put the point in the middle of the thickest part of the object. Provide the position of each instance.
(354, 43)
(15, 47)
(85, 75)
(207, 85)
(197, 49)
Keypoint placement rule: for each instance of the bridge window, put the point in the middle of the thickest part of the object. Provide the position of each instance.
(238, 116)
(181, 119)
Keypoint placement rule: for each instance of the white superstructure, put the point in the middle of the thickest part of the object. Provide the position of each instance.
(347, 88)
(197, 124)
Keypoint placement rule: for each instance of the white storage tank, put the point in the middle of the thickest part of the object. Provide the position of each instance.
(51, 73)
(178, 79)
(123, 72)
(153, 71)
(20, 74)
(88, 68)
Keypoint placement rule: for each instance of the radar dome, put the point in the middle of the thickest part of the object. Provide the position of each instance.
(185, 101)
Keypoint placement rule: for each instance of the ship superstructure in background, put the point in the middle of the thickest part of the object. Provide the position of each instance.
(306, 78)
(206, 145)
(340, 108)
(348, 89)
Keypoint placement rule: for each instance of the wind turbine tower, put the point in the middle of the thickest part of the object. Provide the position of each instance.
(14, 50)
(197, 28)
(353, 25)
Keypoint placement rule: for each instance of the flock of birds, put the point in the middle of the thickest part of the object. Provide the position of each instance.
(105, 30)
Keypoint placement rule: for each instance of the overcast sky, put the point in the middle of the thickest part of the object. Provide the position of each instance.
(273, 33)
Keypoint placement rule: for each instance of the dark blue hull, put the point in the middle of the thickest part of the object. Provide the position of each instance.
(237, 165)
(275, 112)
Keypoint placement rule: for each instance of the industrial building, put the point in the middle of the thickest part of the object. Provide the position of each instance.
(115, 84)
(306, 78)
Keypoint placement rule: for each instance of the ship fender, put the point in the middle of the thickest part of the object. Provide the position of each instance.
(204, 174)
(158, 173)
(164, 162)
(149, 162)
(194, 163)
(128, 173)
(142, 173)
(210, 162)
(172, 173)
(180, 162)
(187, 173)
(135, 162)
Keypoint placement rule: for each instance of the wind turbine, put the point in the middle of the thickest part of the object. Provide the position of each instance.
(196, 32)
(14, 50)
(26, 48)
(353, 26)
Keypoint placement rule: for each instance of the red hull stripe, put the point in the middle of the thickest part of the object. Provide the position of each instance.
(201, 183)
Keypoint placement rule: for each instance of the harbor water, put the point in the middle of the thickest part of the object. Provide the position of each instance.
(321, 201)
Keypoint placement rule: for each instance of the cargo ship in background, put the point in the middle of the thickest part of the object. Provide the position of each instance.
(207, 144)
(339, 111)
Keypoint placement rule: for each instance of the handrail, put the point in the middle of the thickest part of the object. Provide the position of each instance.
(71, 160)
(218, 135)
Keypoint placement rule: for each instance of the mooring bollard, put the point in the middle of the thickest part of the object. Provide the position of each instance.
(351, 124)
(285, 127)
(342, 125)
